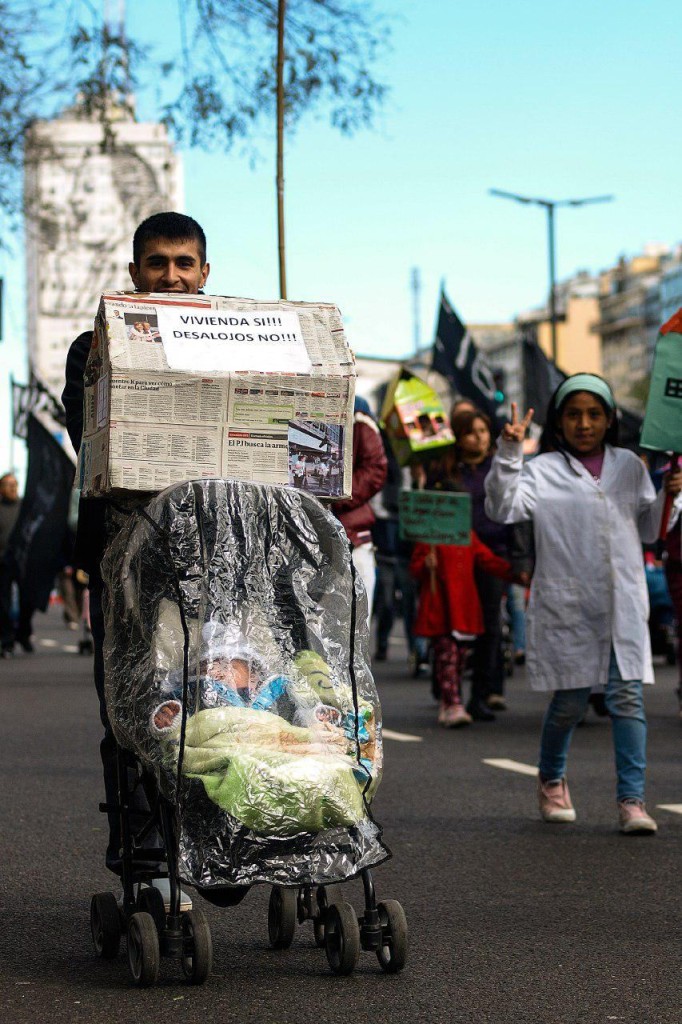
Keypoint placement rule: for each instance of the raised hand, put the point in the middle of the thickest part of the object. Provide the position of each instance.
(516, 430)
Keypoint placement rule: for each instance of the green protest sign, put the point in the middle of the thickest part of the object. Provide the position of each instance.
(662, 429)
(435, 517)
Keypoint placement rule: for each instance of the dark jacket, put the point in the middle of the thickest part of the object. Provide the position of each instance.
(91, 532)
(495, 535)
(9, 513)
(369, 475)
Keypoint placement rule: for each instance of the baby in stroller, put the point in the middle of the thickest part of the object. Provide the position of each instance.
(237, 672)
(228, 739)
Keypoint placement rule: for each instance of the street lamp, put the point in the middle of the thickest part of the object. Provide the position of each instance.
(550, 205)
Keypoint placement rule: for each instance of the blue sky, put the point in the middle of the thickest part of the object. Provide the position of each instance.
(549, 99)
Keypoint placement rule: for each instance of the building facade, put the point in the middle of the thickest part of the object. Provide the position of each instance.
(631, 311)
(577, 310)
(88, 182)
(671, 292)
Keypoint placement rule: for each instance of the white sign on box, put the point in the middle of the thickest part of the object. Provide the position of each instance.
(215, 340)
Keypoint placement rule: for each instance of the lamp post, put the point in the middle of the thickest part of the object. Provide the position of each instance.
(550, 205)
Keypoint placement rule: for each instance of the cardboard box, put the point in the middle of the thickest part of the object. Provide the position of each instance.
(414, 418)
(190, 386)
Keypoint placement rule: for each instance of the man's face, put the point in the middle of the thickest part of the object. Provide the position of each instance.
(168, 266)
(9, 488)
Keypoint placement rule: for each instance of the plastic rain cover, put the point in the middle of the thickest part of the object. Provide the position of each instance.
(236, 666)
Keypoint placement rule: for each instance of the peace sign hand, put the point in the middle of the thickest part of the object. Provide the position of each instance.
(516, 431)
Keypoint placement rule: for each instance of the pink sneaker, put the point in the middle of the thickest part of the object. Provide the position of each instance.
(555, 801)
(633, 818)
(453, 716)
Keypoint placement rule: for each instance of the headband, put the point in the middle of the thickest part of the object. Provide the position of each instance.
(585, 382)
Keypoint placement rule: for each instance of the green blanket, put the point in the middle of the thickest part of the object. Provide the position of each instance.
(276, 778)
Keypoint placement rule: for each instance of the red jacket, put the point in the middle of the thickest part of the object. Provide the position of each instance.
(369, 475)
(452, 603)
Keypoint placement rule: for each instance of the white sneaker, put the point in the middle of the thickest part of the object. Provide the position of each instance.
(453, 716)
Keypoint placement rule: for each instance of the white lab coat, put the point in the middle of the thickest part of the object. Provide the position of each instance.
(589, 589)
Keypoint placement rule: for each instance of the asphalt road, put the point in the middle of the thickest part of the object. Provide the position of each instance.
(511, 920)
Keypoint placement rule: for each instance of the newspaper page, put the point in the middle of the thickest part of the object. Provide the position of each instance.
(197, 446)
(258, 455)
(168, 399)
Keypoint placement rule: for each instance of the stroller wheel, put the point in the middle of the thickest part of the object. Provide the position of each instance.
(342, 937)
(143, 950)
(318, 922)
(105, 925)
(150, 901)
(281, 917)
(392, 953)
(197, 947)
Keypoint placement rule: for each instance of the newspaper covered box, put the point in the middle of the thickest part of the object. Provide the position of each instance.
(194, 386)
(414, 418)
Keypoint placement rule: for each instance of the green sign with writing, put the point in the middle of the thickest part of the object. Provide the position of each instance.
(662, 428)
(435, 517)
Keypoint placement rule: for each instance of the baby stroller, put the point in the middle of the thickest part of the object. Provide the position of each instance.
(236, 662)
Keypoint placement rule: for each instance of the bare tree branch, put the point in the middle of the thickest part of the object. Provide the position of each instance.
(217, 89)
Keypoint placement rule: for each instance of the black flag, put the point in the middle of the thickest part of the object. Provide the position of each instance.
(541, 378)
(26, 398)
(456, 357)
(36, 546)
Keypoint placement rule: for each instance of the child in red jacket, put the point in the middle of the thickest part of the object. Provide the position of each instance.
(450, 613)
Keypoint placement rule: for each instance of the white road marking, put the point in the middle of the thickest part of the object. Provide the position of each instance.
(673, 808)
(510, 766)
(402, 737)
(47, 643)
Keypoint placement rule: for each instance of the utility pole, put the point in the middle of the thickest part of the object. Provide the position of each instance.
(550, 205)
(281, 15)
(415, 280)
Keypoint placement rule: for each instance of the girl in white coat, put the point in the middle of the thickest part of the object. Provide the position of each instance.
(592, 504)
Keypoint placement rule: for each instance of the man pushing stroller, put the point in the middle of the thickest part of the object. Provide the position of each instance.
(169, 255)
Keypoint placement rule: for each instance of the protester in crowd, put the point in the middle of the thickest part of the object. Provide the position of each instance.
(449, 610)
(462, 405)
(394, 583)
(169, 255)
(11, 633)
(473, 458)
(385, 535)
(369, 475)
(591, 504)
(71, 592)
(673, 573)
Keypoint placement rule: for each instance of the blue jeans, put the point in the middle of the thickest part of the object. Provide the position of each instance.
(516, 609)
(625, 706)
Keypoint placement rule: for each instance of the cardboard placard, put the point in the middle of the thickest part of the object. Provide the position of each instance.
(662, 428)
(415, 420)
(435, 517)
